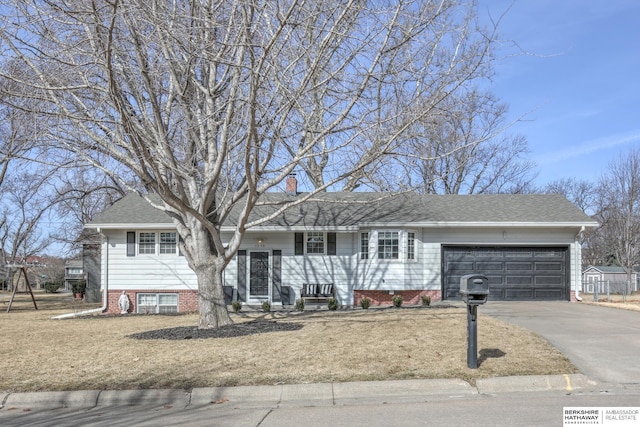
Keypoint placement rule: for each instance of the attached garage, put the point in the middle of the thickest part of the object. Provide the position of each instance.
(514, 273)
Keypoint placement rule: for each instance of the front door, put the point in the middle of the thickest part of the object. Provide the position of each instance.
(259, 275)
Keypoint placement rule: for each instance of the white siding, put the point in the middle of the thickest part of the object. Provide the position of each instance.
(157, 272)
(391, 274)
(346, 270)
(297, 270)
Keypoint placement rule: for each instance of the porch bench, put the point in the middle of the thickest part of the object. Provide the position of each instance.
(317, 291)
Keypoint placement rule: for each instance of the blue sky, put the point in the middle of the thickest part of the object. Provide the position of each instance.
(578, 84)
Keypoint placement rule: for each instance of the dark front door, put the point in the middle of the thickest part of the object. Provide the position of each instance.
(259, 274)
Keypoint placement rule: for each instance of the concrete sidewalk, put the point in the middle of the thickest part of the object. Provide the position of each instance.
(294, 395)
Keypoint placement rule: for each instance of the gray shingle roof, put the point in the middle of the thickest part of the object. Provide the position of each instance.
(367, 209)
(611, 269)
(132, 209)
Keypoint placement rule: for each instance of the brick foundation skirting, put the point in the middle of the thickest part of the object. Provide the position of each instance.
(187, 300)
(385, 298)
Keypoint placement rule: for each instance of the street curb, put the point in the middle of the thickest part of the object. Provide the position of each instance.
(51, 400)
(158, 397)
(399, 390)
(567, 382)
(329, 394)
(289, 395)
(295, 395)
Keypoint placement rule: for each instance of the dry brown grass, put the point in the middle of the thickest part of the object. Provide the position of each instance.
(630, 302)
(39, 353)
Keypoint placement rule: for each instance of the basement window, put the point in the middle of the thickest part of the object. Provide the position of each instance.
(156, 303)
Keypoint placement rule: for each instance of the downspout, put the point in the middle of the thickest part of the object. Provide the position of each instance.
(105, 295)
(578, 262)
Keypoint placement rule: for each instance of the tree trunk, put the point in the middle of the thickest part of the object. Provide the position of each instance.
(213, 309)
(208, 266)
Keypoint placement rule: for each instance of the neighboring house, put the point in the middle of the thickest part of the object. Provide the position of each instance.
(611, 279)
(91, 258)
(73, 273)
(373, 245)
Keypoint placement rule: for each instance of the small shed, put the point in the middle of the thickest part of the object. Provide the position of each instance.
(611, 278)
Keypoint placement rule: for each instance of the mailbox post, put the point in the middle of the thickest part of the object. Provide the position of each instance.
(474, 289)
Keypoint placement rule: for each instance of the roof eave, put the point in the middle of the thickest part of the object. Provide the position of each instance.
(481, 224)
(348, 228)
(352, 228)
(130, 226)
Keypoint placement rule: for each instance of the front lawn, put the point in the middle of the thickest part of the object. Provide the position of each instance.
(101, 352)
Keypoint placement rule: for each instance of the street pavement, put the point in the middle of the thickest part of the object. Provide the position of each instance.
(603, 343)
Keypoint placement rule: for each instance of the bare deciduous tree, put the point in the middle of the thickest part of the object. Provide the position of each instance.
(618, 212)
(469, 150)
(213, 103)
(26, 202)
(583, 194)
(19, 130)
(579, 192)
(83, 193)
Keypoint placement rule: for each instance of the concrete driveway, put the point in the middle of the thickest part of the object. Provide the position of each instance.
(604, 343)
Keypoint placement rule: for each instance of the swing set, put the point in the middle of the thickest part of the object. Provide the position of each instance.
(22, 272)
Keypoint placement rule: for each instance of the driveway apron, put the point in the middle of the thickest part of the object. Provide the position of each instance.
(604, 343)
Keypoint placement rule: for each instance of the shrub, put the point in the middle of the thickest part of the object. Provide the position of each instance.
(237, 306)
(50, 288)
(266, 306)
(300, 304)
(365, 303)
(333, 304)
(79, 287)
(397, 300)
(426, 300)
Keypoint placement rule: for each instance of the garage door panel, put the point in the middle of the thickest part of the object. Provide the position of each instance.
(519, 280)
(461, 266)
(490, 266)
(489, 254)
(514, 273)
(550, 254)
(514, 255)
(549, 280)
(518, 293)
(549, 266)
(548, 294)
(519, 266)
(494, 279)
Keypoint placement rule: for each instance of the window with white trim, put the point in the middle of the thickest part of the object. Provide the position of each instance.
(315, 242)
(364, 245)
(388, 245)
(168, 242)
(156, 303)
(411, 246)
(146, 243)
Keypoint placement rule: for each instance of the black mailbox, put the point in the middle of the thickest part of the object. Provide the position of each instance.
(474, 289)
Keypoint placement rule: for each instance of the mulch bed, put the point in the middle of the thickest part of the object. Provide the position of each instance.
(228, 331)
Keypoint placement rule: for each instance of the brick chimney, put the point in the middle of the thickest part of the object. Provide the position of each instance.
(292, 184)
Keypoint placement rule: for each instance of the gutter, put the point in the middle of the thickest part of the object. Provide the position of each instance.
(578, 266)
(105, 295)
